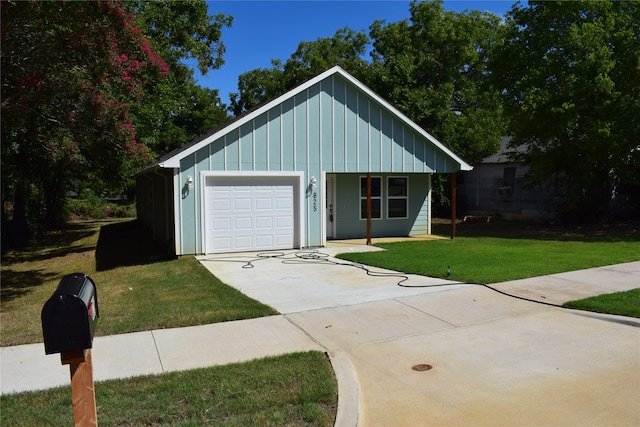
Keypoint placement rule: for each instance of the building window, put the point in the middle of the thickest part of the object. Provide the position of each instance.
(376, 197)
(397, 197)
(509, 177)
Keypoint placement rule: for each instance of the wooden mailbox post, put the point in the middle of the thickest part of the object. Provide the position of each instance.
(69, 319)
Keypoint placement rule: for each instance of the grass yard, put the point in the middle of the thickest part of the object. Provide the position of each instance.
(137, 291)
(275, 391)
(498, 252)
(622, 303)
(501, 251)
(493, 260)
(140, 289)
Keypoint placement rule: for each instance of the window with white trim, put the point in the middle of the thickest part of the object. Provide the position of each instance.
(397, 197)
(376, 197)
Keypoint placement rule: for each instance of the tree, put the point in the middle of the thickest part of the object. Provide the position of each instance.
(570, 75)
(176, 109)
(345, 48)
(70, 71)
(88, 97)
(256, 87)
(433, 67)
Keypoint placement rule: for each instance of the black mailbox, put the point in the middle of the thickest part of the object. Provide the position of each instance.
(70, 316)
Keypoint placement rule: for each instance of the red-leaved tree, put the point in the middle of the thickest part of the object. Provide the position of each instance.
(70, 72)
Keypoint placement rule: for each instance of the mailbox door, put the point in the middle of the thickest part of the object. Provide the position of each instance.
(65, 325)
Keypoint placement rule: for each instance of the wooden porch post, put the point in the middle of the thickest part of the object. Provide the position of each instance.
(453, 204)
(368, 208)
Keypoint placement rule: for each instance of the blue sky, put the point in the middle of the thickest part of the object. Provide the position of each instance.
(265, 30)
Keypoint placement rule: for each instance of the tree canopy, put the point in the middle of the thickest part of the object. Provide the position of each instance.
(345, 48)
(93, 90)
(176, 109)
(570, 75)
(77, 78)
(434, 67)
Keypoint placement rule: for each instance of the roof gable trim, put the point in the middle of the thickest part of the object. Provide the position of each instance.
(174, 161)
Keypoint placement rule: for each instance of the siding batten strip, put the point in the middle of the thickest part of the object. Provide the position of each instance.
(344, 131)
(369, 134)
(381, 133)
(320, 127)
(281, 141)
(357, 131)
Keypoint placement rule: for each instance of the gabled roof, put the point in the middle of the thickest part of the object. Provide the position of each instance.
(505, 152)
(172, 159)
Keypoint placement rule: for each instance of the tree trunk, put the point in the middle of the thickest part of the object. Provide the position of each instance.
(19, 232)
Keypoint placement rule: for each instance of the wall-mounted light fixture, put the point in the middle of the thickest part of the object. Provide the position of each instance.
(189, 182)
(314, 181)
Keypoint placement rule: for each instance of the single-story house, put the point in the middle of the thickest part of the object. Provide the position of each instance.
(292, 173)
(499, 186)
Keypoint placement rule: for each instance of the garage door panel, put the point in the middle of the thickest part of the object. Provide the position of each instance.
(284, 222)
(243, 242)
(221, 224)
(264, 242)
(284, 204)
(264, 222)
(263, 203)
(221, 189)
(222, 243)
(249, 213)
(243, 204)
(244, 223)
(221, 204)
(282, 240)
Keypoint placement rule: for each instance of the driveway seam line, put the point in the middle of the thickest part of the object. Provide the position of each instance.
(326, 349)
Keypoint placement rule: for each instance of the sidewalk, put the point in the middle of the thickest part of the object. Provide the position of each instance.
(26, 367)
(495, 360)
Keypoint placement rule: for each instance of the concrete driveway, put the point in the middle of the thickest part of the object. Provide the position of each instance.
(430, 352)
(441, 353)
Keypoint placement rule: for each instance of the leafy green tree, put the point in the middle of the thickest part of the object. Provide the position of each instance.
(176, 109)
(346, 48)
(258, 86)
(433, 67)
(570, 75)
(70, 71)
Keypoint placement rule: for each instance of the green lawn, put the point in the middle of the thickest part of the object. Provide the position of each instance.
(493, 260)
(137, 290)
(498, 252)
(141, 289)
(293, 390)
(622, 303)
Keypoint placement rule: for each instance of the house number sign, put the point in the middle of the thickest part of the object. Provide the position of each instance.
(315, 201)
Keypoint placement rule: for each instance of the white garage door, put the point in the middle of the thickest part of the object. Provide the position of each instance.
(249, 213)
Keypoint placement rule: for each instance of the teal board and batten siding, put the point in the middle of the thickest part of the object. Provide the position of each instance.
(347, 208)
(331, 126)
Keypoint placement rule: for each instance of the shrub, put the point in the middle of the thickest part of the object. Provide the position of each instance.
(90, 206)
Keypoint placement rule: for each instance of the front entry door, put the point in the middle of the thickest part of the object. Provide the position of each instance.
(329, 206)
